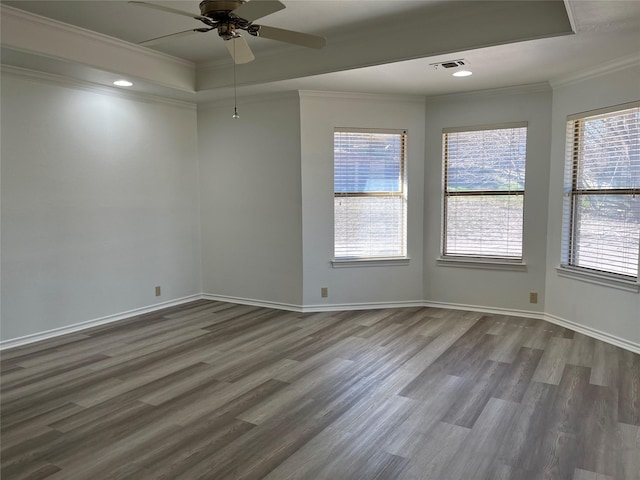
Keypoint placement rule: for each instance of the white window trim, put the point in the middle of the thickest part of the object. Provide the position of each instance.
(598, 278)
(493, 126)
(583, 274)
(517, 265)
(370, 262)
(471, 261)
(403, 259)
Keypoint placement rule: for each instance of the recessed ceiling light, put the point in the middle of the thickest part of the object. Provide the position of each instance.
(123, 83)
(462, 73)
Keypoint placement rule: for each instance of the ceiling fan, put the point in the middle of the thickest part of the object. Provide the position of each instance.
(227, 17)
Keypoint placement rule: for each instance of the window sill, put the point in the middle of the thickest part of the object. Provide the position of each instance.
(482, 263)
(369, 262)
(599, 279)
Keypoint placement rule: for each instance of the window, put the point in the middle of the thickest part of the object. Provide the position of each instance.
(369, 193)
(484, 170)
(601, 228)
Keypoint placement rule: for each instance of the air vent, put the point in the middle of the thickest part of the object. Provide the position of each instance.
(449, 64)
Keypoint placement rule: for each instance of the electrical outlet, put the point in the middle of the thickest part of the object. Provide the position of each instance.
(533, 297)
(158, 291)
(324, 292)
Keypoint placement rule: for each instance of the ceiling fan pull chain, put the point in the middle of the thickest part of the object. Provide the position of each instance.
(235, 98)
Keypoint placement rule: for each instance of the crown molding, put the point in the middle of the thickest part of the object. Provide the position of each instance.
(50, 39)
(247, 99)
(11, 12)
(540, 87)
(571, 15)
(75, 84)
(362, 96)
(613, 66)
(225, 96)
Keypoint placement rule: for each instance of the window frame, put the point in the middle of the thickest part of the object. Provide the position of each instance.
(386, 260)
(494, 262)
(572, 193)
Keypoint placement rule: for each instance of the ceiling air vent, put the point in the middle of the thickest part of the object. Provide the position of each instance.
(449, 64)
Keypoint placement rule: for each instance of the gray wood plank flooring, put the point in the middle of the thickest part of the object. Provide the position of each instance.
(211, 390)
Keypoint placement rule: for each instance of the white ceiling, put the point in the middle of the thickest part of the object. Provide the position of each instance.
(375, 46)
(135, 24)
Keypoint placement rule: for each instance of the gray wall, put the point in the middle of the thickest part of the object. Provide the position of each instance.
(488, 287)
(99, 205)
(105, 196)
(321, 113)
(597, 307)
(251, 203)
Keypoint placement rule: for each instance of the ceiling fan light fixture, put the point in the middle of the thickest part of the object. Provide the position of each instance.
(227, 31)
(123, 83)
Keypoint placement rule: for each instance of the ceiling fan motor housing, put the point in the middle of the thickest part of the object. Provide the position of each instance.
(218, 10)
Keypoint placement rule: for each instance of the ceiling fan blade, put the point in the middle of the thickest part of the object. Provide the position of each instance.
(239, 50)
(161, 39)
(289, 36)
(168, 10)
(256, 9)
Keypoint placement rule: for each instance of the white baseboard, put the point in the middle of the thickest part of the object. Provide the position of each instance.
(250, 301)
(333, 307)
(576, 327)
(76, 327)
(336, 307)
(483, 309)
(591, 332)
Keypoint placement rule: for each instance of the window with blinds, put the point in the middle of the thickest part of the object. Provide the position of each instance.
(369, 193)
(484, 176)
(601, 228)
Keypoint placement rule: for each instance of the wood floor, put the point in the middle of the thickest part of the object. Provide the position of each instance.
(218, 391)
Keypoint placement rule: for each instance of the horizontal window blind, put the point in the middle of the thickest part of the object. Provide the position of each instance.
(369, 193)
(484, 181)
(601, 211)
